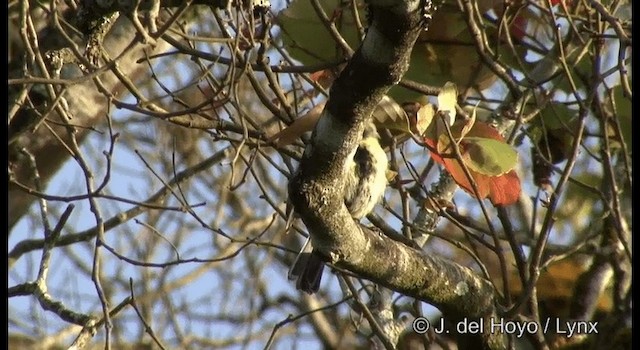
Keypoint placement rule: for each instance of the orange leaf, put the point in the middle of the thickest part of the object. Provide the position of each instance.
(500, 190)
(504, 189)
(301, 125)
(482, 182)
(324, 77)
(432, 145)
(481, 129)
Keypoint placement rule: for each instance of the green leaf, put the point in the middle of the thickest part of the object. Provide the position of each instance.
(554, 132)
(424, 118)
(557, 115)
(307, 39)
(468, 124)
(488, 156)
(622, 111)
(447, 101)
(390, 114)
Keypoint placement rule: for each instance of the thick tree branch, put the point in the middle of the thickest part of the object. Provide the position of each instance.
(316, 190)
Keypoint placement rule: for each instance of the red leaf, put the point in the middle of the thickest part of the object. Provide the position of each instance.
(481, 129)
(324, 77)
(504, 189)
(482, 182)
(519, 27)
(432, 145)
(501, 190)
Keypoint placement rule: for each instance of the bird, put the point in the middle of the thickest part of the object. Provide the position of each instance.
(365, 180)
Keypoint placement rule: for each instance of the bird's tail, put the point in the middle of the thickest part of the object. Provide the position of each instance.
(307, 269)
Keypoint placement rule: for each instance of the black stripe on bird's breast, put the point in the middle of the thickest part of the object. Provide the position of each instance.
(364, 162)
